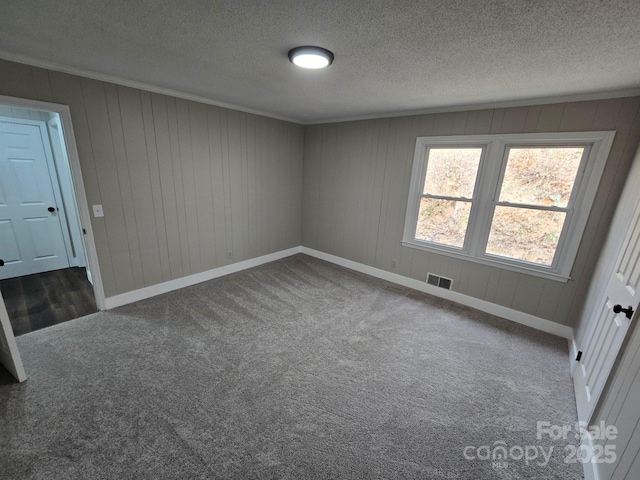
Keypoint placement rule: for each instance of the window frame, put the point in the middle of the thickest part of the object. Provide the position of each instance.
(485, 198)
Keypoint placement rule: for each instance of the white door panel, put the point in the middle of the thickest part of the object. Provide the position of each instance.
(608, 329)
(32, 236)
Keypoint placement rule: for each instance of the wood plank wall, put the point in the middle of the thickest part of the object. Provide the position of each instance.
(182, 183)
(356, 182)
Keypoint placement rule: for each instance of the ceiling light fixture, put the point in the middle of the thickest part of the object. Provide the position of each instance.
(311, 57)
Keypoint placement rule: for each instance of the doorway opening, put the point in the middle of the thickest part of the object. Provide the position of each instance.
(49, 270)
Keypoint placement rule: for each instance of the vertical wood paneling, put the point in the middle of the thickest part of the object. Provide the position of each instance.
(333, 216)
(202, 183)
(484, 120)
(529, 293)
(68, 90)
(181, 183)
(17, 80)
(533, 115)
(99, 131)
(550, 117)
(124, 181)
(497, 120)
(136, 157)
(166, 183)
(156, 189)
(188, 183)
(235, 178)
(43, 84)
(514, 120)
(578, 116)
(217, 185)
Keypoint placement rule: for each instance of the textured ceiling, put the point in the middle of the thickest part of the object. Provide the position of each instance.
(390, 56)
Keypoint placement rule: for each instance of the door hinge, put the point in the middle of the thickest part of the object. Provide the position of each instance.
(579, 356)
(84, 231)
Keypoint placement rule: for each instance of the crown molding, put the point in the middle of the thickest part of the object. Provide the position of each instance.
(13, 57)
(578, 97)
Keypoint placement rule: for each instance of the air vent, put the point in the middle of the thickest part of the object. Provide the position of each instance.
(438, 281)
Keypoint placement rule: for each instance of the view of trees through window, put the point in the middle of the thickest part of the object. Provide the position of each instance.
(531, 206)
(451, 174)
(541, 177)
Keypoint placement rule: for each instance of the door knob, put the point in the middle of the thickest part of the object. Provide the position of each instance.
(1, 263)
(51, 209)
(627, 311)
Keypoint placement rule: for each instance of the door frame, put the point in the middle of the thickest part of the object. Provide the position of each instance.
(617, 235)
(53, 177)
(78, 185)
(12, 362)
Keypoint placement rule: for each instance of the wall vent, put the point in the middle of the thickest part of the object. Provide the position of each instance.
(438, 281)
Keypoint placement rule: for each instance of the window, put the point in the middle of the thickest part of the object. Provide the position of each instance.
(516, 201)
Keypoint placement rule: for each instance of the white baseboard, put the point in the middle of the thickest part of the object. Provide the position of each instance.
(492, 308)
(590, 468)
(488, 307)
(160, 288)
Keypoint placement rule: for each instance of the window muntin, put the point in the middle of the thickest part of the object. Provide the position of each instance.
(539, 187)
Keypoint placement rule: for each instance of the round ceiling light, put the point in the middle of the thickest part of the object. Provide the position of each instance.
(311, 57)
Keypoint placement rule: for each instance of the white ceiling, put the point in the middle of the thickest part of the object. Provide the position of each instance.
(391, 56)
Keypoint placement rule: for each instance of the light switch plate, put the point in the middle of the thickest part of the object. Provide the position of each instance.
(97, 211)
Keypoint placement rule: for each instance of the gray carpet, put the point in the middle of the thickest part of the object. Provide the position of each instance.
(297, 369)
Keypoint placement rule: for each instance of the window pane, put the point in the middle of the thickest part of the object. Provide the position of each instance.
(540, 176)
(451, 172)
(443, 221)
(525, 234)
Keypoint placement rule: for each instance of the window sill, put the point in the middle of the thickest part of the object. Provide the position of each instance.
(490, 261)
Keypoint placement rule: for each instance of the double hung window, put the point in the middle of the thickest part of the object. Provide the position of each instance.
(517, 201)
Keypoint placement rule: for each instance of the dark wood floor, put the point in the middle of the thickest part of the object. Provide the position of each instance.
(45, 299)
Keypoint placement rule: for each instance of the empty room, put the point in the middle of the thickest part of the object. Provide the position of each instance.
(320, 239)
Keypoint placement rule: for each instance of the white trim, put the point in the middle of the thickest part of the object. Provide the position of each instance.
(78, 183)
(578, 97)
(488, 307)
(492, 164)
(590, 468)
(134, 84)
(487, 260)
(13, 363)
(160, 288)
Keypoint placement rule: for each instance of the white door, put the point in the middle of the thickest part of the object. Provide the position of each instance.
(9, 356)
(607, 329)
(31, 235)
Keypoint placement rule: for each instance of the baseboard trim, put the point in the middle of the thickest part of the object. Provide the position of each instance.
(488, 307)
(590, 468)
(160, 288)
